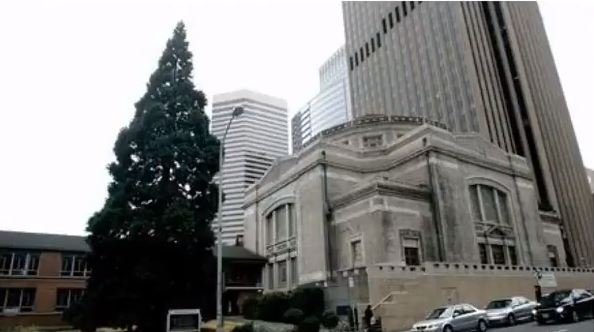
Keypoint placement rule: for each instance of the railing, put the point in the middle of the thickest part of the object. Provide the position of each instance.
(470, 267)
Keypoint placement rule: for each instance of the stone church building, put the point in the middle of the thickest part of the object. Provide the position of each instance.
(371, 207)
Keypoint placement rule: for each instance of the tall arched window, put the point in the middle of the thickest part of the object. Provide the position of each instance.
(280, 223)
(489, 205)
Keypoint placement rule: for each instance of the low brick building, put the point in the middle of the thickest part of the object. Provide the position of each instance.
(42, 274)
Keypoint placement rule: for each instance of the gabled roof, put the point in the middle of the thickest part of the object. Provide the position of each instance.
(39, 241)
(240, 253)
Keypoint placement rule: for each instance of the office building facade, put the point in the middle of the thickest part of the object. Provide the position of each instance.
(483, 67)
(330, 107)
(255, 140)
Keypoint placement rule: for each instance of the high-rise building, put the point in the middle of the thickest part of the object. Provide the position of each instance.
(255, 140)
(481, 67)
(330, 107)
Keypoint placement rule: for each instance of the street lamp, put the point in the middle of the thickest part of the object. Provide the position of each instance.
(237, 111)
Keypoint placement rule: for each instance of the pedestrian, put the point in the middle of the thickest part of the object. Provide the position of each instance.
(367, 317)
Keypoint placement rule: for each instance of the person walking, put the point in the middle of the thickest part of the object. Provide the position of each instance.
(367, 317)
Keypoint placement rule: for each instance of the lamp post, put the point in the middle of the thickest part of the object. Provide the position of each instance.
(237, 111)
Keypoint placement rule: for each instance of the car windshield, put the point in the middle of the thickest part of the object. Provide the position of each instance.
(556, 297)
(499, 304)
(439, 313)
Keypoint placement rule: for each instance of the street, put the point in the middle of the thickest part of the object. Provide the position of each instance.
(583, 326)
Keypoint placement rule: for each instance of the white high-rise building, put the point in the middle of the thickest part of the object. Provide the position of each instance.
(330, 107)
(255, 140)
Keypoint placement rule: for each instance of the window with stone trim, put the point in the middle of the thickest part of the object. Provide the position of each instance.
(282, 274)
(372, 141)
(500, 253)
(281, 224)
(356, 253)
(483, 253)
(294, 272)
(489, 205)
(270, 277)
(553, 255)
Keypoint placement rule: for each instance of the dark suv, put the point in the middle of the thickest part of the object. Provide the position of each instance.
(565, 305)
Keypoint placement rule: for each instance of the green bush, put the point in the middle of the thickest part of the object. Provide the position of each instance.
(293, 316)
(244, 328)
(310, 300)
(329, 320)
(309, 324)
(249, 308)
(272, 306)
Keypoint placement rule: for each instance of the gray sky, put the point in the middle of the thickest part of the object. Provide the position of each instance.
(71, 71)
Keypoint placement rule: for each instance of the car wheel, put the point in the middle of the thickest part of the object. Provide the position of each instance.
(511, 320)
(482, 326)
(575, 317)
(448, 329)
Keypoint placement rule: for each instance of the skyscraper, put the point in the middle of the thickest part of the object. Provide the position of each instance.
(329, 107)
(481, 67)
(255, 140)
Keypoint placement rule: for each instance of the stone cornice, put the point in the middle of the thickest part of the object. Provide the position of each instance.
(384, 188)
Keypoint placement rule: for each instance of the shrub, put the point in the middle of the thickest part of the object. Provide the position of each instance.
(249, 308)
(309, 324)
(293, 316)
(272, 306)
(244, 328)
(310, 300)
(329, 320)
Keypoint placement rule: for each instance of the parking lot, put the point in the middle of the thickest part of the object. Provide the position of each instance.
(583, 326)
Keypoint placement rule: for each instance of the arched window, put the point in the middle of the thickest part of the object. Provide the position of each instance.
(280, 224)
(489, 205)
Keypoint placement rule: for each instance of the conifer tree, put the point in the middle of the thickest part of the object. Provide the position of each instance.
(151, 243)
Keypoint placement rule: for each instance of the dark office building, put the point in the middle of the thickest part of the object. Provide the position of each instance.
(481, 67)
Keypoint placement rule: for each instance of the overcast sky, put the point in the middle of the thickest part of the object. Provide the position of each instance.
(71, 71)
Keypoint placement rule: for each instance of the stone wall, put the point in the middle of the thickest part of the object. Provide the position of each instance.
(403, 295)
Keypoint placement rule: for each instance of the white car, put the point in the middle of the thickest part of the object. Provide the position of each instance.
(458, 317)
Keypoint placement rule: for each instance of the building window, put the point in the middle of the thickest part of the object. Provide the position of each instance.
(356, 59)
(17, 299)
(19, 263)
(280, 215)
(411, 252)
(384, 25)
(362, 55)
(391, 20)
(294, 272)
(498, 254)
(280, 224)
(282, 274)
(412, 5)
(513, 257)
(270, 278)
(74, 266)
(67, 297)
(356, 253)
(489, 205)
(483, 253)
(397, 11)
(269, 229)
(372, 45)
(379, 40)
(553, 255)
(292, 218)
(404, 8)
(374, 141)
(351, 63)
(367, 49)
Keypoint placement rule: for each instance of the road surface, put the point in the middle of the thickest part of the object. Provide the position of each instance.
(583, 326)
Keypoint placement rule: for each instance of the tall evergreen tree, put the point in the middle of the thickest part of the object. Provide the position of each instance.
(151, 243)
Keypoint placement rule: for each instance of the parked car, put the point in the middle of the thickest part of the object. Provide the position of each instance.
(458, 317)
(565, 305)
(510, 310)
